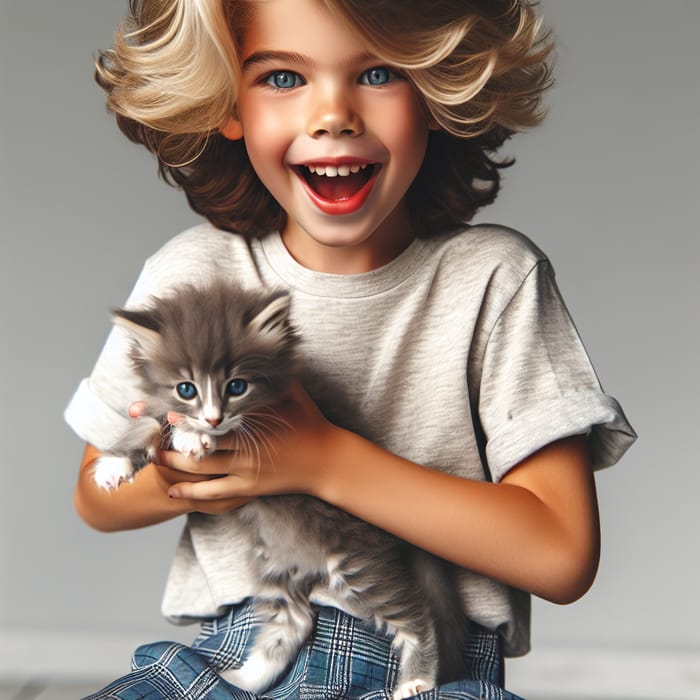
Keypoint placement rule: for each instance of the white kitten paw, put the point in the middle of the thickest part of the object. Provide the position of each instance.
(409, 688)
(109, 472)
(257, 673)
(193, 444)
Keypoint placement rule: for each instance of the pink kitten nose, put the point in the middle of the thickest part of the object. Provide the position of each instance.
(213, 421)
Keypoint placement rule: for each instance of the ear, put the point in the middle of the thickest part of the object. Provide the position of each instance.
(272, 319)
(232, 129)
(146, 339)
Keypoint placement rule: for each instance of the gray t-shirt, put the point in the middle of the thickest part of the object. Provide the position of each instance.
(459, 355)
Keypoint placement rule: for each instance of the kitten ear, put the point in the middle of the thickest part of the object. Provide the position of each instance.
(146, 338)
(273, 318)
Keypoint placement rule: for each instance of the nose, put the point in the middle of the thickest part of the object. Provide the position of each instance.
(334, 115)
(213, 421)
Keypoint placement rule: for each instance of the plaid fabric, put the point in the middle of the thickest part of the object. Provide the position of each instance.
(344, 658)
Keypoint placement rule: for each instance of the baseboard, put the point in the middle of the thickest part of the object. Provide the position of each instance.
(549, 673)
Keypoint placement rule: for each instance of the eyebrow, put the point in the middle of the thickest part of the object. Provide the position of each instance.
(293, 58)
(273, 57)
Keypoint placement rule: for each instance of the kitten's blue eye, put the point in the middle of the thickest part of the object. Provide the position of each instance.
(186, 391)
(237, 387)
(284, 79)
(377, 76)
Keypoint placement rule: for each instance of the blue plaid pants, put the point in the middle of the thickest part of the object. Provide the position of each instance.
(344, 658)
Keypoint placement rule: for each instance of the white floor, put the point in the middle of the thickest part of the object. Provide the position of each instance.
(43, 690)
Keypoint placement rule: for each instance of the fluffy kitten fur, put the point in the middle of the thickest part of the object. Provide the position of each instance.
(235, 350)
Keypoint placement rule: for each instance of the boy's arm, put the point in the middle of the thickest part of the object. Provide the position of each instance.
(141, 503)
(536, 530)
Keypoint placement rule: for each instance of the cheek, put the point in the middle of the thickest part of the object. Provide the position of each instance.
(407, 132)
(266, 143)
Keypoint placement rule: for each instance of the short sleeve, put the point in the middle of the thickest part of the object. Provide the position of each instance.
(98, 411)
(538, 384)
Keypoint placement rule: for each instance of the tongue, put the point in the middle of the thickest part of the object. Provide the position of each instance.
(338, 188)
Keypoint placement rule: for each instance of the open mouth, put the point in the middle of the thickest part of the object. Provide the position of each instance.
(337, 183)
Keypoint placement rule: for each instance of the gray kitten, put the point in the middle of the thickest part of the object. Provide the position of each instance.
(218, 355)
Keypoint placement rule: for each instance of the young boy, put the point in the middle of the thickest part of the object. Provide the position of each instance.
(338, 148)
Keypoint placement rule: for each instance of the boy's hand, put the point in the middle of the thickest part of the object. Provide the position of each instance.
(170, 476)
(285, 456)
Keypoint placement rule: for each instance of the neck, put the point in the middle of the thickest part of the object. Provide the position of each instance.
(384, 245)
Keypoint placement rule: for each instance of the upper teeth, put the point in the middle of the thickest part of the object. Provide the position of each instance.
(333, 171)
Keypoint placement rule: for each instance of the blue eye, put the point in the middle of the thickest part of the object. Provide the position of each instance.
(186, 391)
(237, 387)
(284, 79)
(377, 76)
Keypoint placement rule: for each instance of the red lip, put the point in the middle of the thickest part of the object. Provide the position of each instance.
(343, 204)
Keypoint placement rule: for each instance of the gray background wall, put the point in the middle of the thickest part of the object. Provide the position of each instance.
(608, 186)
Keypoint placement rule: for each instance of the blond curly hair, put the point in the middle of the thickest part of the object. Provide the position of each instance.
(480, 66)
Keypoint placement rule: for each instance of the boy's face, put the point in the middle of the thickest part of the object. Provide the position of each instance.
(336, 136)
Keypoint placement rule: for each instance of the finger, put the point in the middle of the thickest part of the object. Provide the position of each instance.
(176, 476)
(137, 409)
(226, 487)
(174, 418)
(220, 462)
